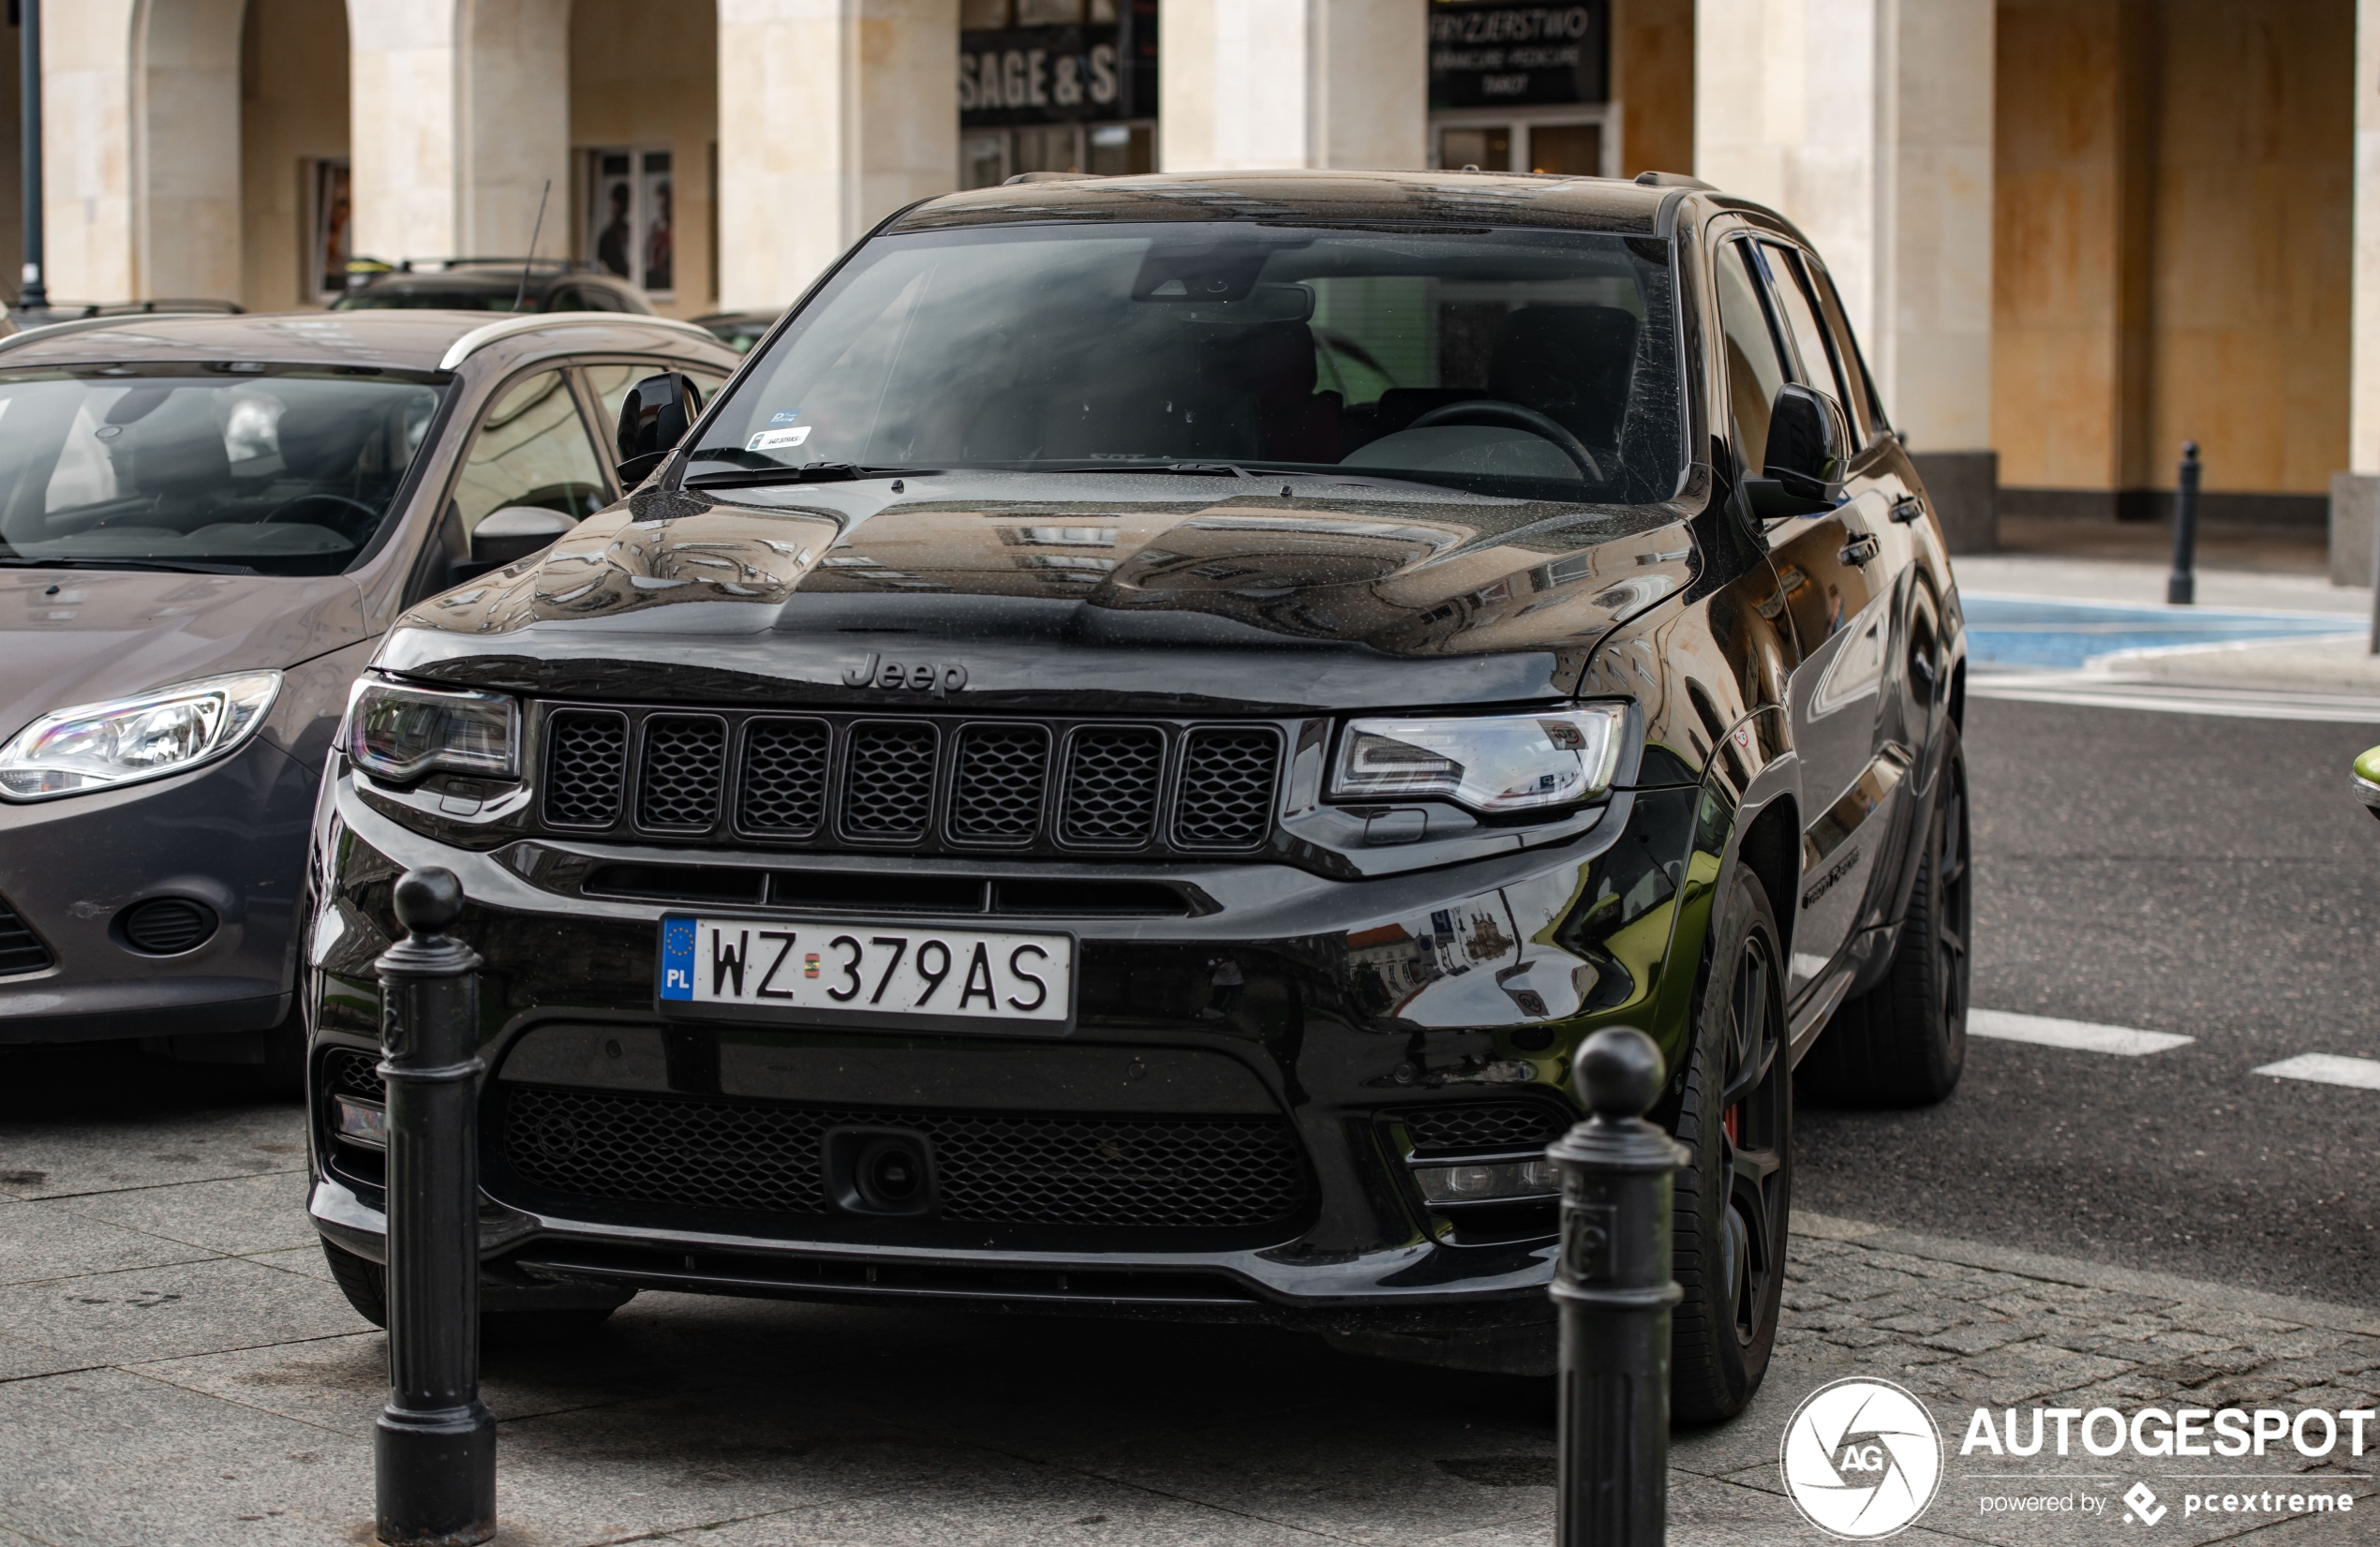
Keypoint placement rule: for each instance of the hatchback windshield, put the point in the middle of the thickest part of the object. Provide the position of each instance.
(1536, 364)
(235, 465)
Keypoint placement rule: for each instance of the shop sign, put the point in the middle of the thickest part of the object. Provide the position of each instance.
(1069, 74)
(1499, 54)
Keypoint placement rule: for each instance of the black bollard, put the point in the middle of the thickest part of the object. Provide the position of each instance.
(1615, 1295)
(2181, 586)
(434, 1450)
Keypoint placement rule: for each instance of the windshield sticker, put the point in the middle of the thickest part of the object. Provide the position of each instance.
(770, 441)
(784, 416)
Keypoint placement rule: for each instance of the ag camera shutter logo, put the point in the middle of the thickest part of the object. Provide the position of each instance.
(1862, 1459)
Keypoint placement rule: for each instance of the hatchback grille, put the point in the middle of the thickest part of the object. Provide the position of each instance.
(917, 783)
(1171, 1172)
(20, 950)
(1479, 1127)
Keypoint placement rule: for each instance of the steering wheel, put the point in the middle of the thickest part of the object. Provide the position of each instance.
(371, 515)
(1511, 416)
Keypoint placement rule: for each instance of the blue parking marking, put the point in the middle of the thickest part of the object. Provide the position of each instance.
(2023, 632)
(677, 958)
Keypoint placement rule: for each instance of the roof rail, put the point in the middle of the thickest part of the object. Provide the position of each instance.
(1673, 180)
(414, 265)
(480, 337)
(95, 319)
(1049, 177)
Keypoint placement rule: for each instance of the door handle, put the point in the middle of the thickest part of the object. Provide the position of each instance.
(1907, 507)
(1860, 549)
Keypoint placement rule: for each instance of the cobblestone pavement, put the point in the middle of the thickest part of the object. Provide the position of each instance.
(176, 1368)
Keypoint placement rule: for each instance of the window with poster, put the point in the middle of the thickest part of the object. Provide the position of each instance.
(630, 207)
(1522, 87)
(1056, 85)
(322, 277)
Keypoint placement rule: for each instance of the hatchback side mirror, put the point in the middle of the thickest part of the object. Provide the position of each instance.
(653, 420)
(1809, 447)
(515, 532)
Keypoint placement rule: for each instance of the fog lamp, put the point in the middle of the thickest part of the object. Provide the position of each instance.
(1496, 1181)
(360, 1122)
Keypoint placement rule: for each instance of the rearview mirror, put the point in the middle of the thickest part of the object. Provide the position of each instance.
(514, 532)
(653, 420)
(1802, 464)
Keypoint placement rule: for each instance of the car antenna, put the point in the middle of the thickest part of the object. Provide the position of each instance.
(522, 291)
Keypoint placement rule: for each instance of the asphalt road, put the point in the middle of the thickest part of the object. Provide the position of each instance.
(2174, 872)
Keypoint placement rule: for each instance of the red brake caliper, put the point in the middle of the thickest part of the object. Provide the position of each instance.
(1728, 1122)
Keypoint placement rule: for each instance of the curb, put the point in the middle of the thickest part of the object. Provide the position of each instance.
(2088, 1275)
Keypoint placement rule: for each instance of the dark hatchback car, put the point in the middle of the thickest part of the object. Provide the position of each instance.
(206, 523)
(1114, 765)
(496, 284)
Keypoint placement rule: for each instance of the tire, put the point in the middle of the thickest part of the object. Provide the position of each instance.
(1734, 1196)
(364, 1283)
(1904, 1042)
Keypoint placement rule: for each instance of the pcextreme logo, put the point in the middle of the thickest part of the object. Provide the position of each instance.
(1862, 1459)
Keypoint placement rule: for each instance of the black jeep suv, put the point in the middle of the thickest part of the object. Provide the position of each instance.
(1112, 766)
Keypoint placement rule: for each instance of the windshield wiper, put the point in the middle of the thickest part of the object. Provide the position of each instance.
(813, 472)
(189, 566)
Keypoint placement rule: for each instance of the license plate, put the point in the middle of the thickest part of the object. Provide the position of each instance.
(845, 971)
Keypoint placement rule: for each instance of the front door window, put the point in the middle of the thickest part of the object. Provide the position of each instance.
(533, 449)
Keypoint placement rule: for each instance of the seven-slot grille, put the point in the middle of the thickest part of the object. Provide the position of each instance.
(911, 783)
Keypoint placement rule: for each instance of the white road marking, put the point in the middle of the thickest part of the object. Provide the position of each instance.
(2083, 1035)
(2080, 687)
(2327, 1069)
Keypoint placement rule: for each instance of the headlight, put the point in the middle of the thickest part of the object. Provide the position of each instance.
(1502, 763)
(400, 733)
(95, 746)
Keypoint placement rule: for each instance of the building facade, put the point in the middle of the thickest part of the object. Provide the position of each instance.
(2072, 232)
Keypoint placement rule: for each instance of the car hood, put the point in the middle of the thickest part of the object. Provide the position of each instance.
(1127, 592)
(80, 637)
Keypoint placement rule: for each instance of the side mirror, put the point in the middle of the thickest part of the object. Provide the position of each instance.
(514, 532)
(1809, 449)
(653, 420)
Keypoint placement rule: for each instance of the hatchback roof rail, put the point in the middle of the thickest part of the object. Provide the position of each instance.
(480, 337)
(583, 265)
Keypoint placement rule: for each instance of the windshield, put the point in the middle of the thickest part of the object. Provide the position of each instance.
(239, 466)
(1541, 364)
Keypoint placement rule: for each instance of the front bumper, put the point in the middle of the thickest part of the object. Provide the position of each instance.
(1367, 1010)
(230, 835)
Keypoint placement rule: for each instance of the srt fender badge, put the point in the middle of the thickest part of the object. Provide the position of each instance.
(913, 676)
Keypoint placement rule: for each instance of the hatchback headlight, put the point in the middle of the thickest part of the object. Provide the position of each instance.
(399, 734)
(1489, 762)
(98, 746)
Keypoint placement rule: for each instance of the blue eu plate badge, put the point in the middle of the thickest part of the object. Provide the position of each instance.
(678, 958)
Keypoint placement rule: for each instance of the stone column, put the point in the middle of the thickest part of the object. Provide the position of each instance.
(1868, 124)
(86, 150)
(832, 115)
(459, 114)
(2355, 493)
(1254, 84)
(186, 148)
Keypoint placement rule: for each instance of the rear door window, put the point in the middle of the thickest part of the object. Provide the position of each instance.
(533, 449)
